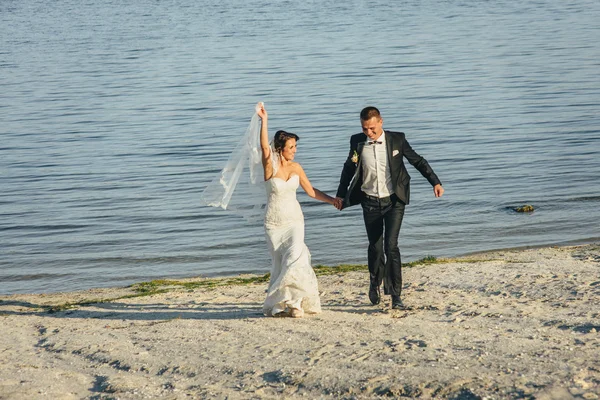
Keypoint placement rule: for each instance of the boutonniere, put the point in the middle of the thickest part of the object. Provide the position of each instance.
(355, 157)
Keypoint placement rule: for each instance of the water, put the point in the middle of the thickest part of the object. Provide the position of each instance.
(115, 116)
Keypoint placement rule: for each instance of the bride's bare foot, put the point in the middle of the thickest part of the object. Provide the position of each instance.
(297, 313)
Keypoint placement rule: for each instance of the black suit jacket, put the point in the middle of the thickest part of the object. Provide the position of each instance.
(397, 149)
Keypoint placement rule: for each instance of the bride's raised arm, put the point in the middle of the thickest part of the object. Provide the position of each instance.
(267, 161)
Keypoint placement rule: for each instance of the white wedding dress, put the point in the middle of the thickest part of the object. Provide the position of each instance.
(293, 283)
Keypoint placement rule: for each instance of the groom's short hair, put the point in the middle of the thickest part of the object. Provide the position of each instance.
(369, 112)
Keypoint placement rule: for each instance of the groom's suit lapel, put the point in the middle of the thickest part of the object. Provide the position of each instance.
(359, 149)
(353, 195)
(361, 144)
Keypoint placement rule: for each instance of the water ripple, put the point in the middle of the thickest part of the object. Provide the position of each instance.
(111, 130)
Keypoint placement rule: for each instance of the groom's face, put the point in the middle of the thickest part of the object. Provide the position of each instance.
(373, 127)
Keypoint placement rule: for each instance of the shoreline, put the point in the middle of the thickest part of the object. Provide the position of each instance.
(567, 243)
(578, 242)
(499, 325)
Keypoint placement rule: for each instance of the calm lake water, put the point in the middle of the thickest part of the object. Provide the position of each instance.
(115, 116)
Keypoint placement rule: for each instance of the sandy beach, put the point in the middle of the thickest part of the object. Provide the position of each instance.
(499, 325)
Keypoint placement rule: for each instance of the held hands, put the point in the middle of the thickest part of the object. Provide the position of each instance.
(338, 203)
(438, 190)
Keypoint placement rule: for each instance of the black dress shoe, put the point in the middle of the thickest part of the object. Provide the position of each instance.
(397, 303)
(374, 294)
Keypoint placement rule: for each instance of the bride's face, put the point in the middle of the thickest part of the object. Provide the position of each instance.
(289, 150)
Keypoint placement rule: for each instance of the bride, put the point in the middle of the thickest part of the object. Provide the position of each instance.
(293, 288)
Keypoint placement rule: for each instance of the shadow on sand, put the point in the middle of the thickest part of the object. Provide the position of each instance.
(140, 312)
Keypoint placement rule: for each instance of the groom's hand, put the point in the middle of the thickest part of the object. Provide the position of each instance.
(438, 190)
(338, 202)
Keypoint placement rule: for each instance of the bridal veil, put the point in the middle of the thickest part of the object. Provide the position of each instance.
(239, 186)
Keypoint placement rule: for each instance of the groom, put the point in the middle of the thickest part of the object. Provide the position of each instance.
(374, 175)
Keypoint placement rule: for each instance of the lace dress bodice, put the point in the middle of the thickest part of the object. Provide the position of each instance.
(282, 206)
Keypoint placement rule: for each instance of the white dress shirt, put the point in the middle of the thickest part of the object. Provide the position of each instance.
(377, 177)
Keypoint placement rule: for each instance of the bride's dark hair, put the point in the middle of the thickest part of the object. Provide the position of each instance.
(281, 138)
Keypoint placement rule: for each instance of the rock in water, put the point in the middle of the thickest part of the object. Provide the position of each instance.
(527, 208)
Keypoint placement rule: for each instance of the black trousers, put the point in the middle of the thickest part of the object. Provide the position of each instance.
(383, 219)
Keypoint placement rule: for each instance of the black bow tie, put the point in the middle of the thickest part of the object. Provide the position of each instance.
(374, 142)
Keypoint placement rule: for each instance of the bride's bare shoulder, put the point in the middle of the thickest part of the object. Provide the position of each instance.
(296, 167)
